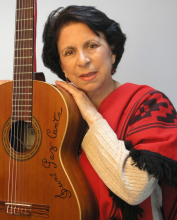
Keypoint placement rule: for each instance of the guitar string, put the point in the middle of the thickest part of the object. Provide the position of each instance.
(29, 83)
(21, 127)
(15, 113)
(19, 106)
(16, 128)
(24, 124)
(19, 168)
(18, 99)
(11, 166)
(26, 102)
(24, 89)
(20, 182)
(10, 178)
(26, 84)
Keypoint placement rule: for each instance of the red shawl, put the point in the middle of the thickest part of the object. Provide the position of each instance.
(147, 121)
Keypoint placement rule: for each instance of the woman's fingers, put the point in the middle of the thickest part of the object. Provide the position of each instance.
(69, 87)
(86, 107)
(80, 97)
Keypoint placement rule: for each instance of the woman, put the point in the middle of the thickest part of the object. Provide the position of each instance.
(129, 151)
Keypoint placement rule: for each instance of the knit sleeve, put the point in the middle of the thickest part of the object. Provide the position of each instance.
(112, 162)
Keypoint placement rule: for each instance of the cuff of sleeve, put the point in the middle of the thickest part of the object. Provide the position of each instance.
(94, 128)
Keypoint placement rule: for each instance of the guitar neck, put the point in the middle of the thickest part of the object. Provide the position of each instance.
(23, 61)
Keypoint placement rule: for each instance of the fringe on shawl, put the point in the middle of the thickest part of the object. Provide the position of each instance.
(128, 211)
(155, 164)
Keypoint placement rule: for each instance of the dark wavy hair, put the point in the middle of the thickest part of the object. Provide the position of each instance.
(96, 20)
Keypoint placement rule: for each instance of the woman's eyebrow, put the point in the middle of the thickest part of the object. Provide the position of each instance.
(90, 40)
(85, 43)
(66, 48)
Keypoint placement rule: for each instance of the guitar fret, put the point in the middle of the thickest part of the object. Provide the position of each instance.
(24, 65)
(17, 87)
(22, 57)
(22, 93)
(24, 49)
(24, 39)
(25, 19)
(25, 30)
(22, 80)
(22, 116)
(18, 99)
(24, 73)
(21, 105)
(22, 110)
(25, 8)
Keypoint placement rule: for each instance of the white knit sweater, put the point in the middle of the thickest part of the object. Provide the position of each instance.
(112, 162)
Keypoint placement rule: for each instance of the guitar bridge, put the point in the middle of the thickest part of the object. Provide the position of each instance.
(18, 209)
(24, 209)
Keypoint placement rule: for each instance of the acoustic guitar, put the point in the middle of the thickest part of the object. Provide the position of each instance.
(41, 128)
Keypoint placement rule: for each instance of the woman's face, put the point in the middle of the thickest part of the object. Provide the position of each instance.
(86, 59)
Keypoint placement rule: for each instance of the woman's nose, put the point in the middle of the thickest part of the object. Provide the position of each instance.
(83, 58)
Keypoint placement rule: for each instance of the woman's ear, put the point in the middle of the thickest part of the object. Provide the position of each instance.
(65, 74)
(62, 67)
(113, 58)
(63, 70)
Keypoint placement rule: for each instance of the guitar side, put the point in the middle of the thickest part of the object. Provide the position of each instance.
(49, 176)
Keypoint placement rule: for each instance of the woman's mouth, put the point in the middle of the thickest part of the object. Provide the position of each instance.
(88, 76)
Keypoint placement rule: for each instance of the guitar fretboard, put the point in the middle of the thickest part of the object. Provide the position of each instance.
(23, 61)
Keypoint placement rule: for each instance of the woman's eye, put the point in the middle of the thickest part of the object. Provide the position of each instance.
(70, 52)
(92, 45)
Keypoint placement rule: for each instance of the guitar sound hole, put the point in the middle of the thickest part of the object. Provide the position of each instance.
(21, 136)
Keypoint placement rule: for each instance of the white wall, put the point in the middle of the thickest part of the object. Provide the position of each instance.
(151, 49)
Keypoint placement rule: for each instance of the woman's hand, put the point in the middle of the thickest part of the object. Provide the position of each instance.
(86, 107)
(3, 81)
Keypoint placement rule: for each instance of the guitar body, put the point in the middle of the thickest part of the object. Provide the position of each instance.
(44, 180)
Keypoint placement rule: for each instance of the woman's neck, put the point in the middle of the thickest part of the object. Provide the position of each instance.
(97, 98)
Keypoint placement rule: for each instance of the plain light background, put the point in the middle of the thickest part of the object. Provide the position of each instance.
(151, 49)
